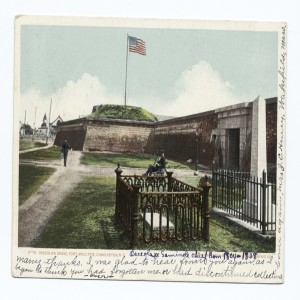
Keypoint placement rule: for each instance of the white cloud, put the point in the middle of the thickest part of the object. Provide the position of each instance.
(200, 89)
(73, 100)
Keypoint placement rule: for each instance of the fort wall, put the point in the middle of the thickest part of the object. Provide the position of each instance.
(184, 138)
(74, 132)
(271, 129)
(105, 135)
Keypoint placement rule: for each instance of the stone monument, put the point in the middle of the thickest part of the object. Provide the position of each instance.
(258, 141)
(252, 204)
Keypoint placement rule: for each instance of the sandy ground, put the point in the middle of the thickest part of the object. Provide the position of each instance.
(38, 209)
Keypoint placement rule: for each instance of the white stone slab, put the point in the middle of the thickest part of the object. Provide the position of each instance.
(156, 221)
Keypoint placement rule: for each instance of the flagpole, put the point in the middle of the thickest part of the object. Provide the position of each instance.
(126, 69)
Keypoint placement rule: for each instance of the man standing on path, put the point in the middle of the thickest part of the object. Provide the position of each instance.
(64, 150)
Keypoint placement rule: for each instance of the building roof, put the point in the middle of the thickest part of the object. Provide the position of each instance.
(57, 120)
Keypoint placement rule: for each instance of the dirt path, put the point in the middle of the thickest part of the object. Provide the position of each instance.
(50, 144)
(38, 209)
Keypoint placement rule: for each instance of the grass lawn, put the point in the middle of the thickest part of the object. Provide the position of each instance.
(30, 179)
(29, 144)
(85, 220)
(125, 160)
(191, 180)
(51, 153)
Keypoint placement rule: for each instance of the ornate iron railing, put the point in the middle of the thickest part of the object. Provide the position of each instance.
(161, 208)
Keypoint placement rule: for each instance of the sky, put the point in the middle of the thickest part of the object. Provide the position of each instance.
(185, 71)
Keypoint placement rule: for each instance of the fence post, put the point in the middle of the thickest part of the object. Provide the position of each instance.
(214, 182)
(264, 202)
(118, 172)
(170, 174)
(135, 217)
(205, 209)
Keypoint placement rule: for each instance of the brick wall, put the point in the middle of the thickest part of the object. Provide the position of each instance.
(74, 133)
(271, 120)
(117, 137)
(178, 138)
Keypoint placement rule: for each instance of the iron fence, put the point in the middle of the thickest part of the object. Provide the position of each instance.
(161, 208)
(246, 197)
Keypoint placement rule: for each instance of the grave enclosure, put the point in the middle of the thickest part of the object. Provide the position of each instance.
(161, 209)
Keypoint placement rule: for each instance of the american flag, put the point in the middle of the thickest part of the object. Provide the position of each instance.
(136, 45)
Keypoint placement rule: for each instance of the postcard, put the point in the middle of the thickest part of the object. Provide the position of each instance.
(149, 149)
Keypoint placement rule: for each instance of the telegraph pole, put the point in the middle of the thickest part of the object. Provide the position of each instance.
(48, 131)
(34, 124)
(24, 124)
